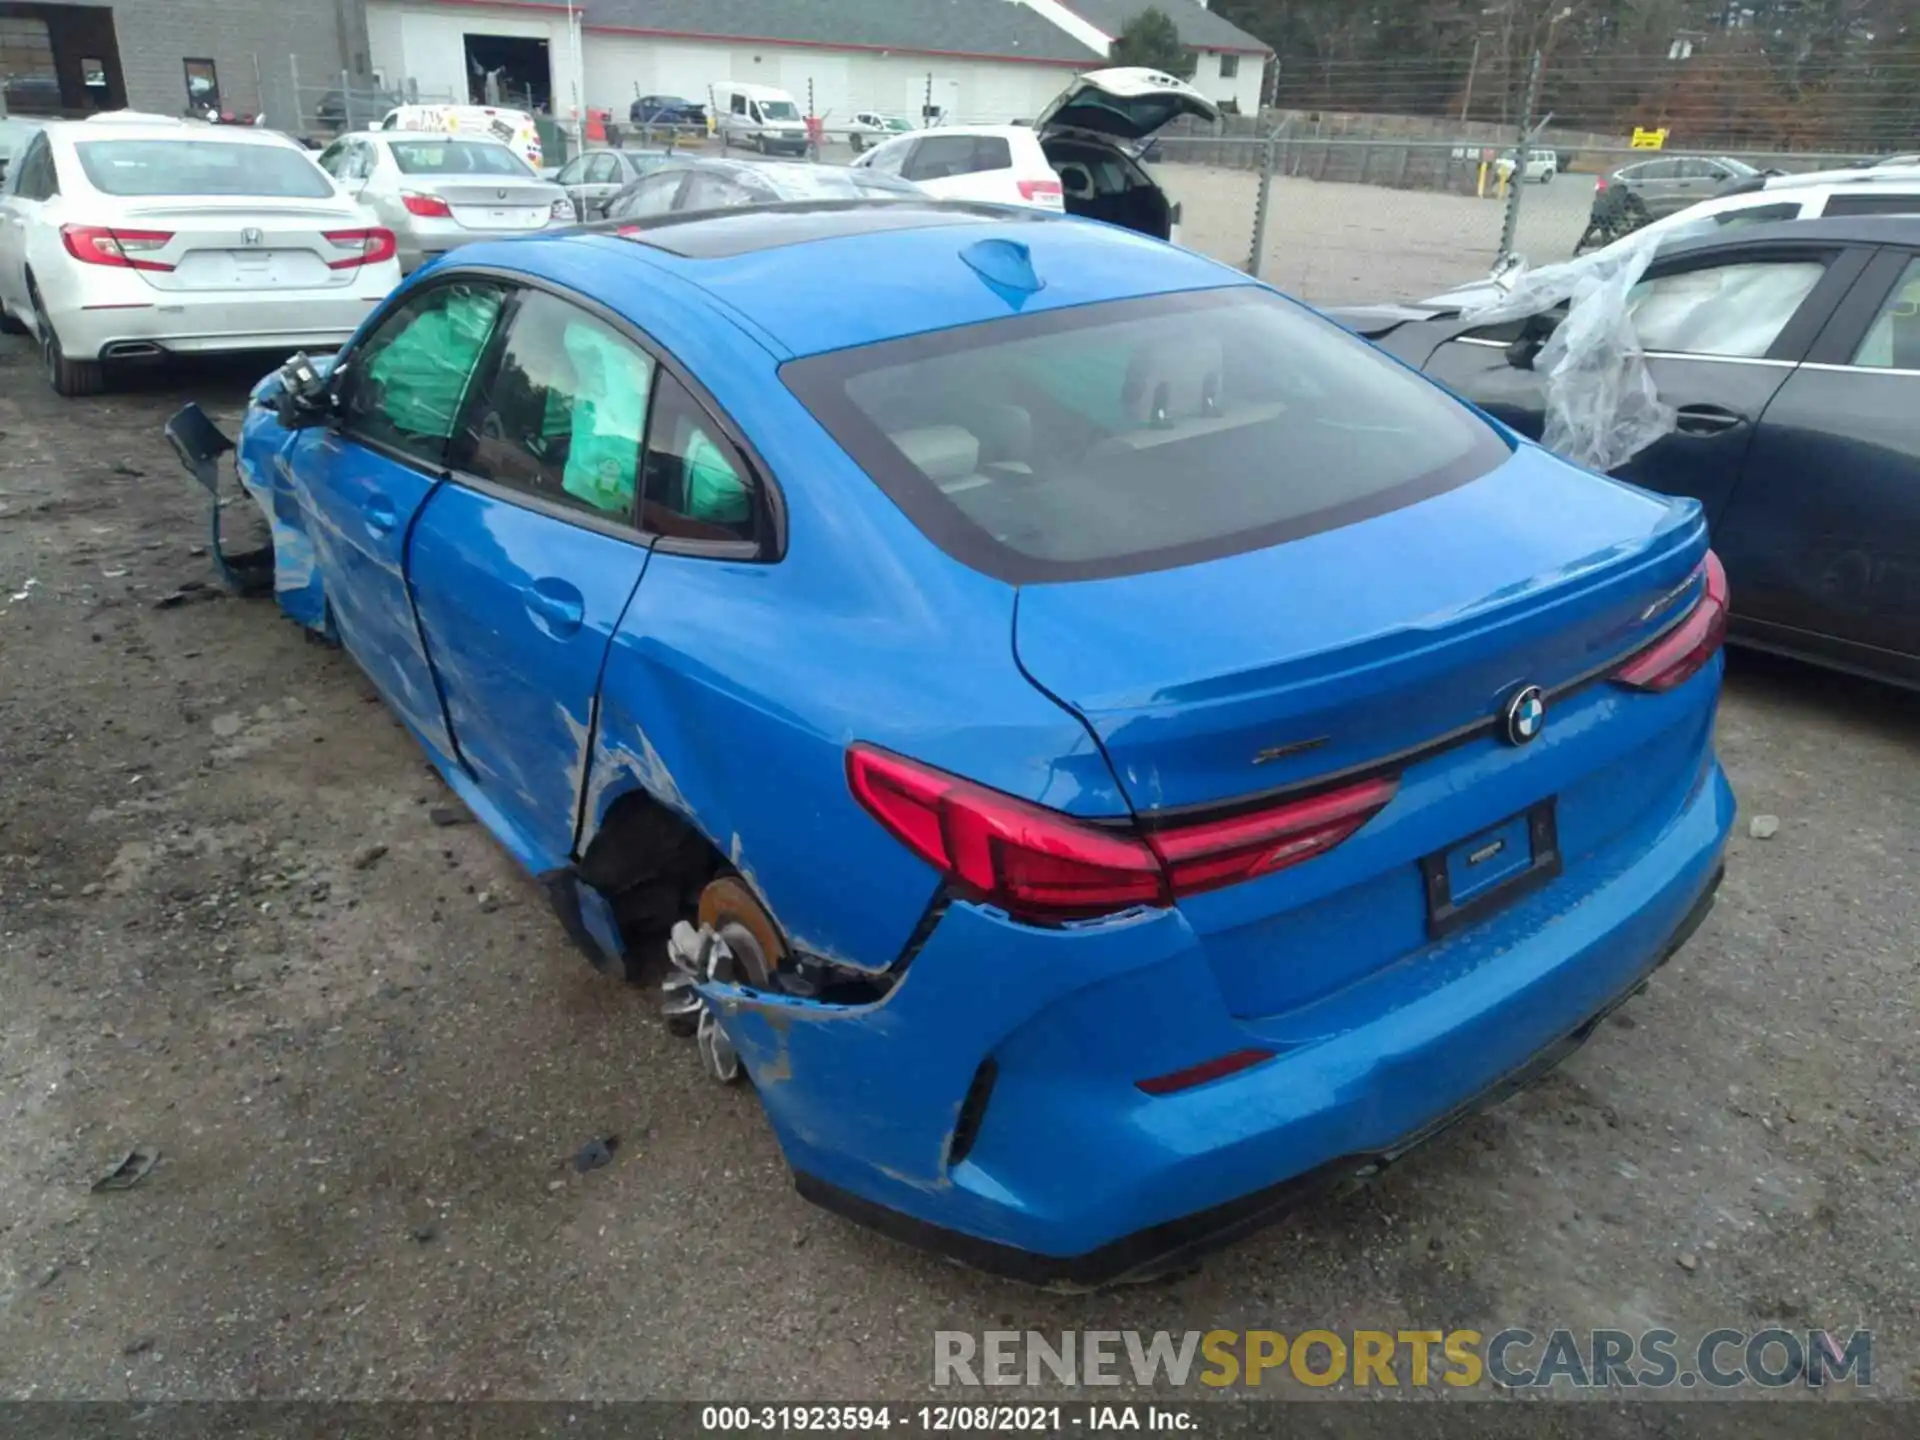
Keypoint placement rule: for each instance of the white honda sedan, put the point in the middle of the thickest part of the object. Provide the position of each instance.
(136, 240)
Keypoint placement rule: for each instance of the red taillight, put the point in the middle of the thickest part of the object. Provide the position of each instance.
(1680, 654)
(1215, 1069)
(370, 247)
(430, 207)
(1038, 864)
(1034, 189)
(1212, 853)
(122, 249)
(1600, 183)
(1028, 860)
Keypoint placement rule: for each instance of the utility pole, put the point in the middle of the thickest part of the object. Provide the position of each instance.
(1473, 68)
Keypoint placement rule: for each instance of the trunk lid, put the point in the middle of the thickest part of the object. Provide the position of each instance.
(1394, 647)
(244, 243)
(492, 203)
(1129, 102)
(1211, 683)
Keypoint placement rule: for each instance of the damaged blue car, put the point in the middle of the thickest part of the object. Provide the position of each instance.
(1104, 750)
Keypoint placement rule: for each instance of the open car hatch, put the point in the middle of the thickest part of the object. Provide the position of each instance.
(1129, 102)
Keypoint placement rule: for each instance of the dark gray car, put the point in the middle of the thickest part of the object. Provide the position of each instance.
(1674, 182)
(594, 177)
(699, 183)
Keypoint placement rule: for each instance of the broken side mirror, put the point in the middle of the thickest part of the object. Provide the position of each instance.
(1533, 336)
(305, 397)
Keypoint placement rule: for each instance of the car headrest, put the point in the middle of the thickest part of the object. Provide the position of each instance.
(940, 452)
(1170, 381)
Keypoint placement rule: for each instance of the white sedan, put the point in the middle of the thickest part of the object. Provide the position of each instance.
(134, 241)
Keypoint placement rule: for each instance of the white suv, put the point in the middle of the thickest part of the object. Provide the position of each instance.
(1073, 158)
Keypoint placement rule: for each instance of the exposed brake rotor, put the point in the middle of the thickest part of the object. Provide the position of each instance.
(736, 943)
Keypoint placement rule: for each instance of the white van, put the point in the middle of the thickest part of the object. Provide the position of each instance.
(757, 116)
(513, 128)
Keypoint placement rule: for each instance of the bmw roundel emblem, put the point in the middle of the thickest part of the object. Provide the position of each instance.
(1525, 715)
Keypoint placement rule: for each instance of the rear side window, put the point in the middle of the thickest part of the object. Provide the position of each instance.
(939, 156)
(1136, 435)
(563, 416)
(1878, 203)
(200, 167)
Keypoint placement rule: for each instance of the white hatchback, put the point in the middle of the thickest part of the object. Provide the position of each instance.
(1075, 157)
(134, 241)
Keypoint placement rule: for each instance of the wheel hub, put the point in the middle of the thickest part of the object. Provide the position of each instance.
(735, 943)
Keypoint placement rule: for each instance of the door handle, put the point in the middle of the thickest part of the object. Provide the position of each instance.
(556, 607)
(1707, 419)
(380, 514)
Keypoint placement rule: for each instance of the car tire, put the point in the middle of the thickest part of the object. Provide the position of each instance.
(9, 325)
(760, 144)
(855, 144)
(73, 379)
(1546, 177)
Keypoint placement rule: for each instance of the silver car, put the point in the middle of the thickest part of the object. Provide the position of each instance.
(594, 178)
(437, 192)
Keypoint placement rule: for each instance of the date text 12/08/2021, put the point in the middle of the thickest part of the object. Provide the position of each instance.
(944, 1419)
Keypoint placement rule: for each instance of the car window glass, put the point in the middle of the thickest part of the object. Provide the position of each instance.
(1877, 203)
(38, 178)
(697, 484)
(1732, 310)
(200, 166)
(403, 387)
(889, 159)
(603, 170)
(739, 104)
(447, 155)
(939, 156)
(572, 172)
(333, 158)
(1109, 432)
(563, 415)
(710, 191)
(1757, 215)
(1893, 340)
(652, 196)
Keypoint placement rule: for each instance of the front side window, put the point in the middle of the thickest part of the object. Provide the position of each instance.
(697, 485)
(574, 173)
(200, 167)
(563, 416)
(1727, 310)
(403, 388)
(1133, 435)
(1893, 340)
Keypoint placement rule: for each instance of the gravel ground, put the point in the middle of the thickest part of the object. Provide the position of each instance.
(232, 930)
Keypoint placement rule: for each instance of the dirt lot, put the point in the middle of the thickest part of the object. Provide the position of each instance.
(231, 929)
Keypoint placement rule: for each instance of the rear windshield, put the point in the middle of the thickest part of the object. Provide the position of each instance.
(1140, 434)
(456, 157)
(200, 167)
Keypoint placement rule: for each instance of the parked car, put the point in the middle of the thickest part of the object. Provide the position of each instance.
(595, 177)
(515, 129)
(869, 127)
(1763, 198)
(1113, 750)
(1542, 166)
(340, 110)
(129, 241)
(692, 182)
(757, 117)
(1659, 187)
(1073, 157)
(437, 192)
(667, 110)
(1792, 353)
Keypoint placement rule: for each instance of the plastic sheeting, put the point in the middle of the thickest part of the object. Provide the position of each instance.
(1602, 406)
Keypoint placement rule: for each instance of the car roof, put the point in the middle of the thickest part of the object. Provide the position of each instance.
(772, 266)
(1843, 230)
(76, 130)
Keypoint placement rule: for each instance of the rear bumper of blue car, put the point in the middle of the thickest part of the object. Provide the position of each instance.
(1158, 1248)
(1049, 1164)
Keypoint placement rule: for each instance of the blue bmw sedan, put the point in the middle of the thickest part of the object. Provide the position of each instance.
(1103, 749)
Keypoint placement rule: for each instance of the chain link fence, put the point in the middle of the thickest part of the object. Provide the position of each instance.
(1342, 220)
